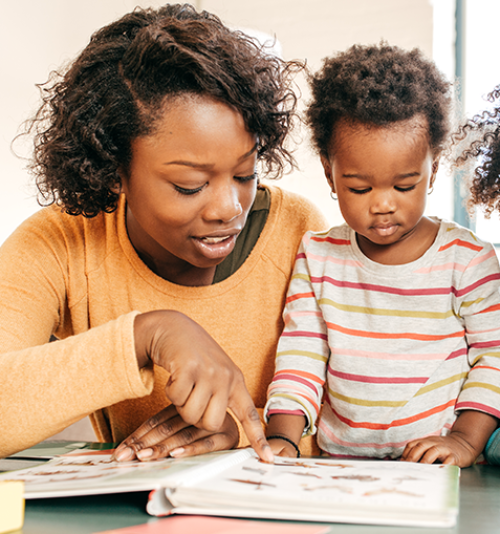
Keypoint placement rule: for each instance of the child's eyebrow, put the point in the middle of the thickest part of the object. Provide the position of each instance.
(405, 175)
(409, 174)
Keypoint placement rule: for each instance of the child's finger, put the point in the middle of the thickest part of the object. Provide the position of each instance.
(433, 454)
(407, 450)
(413, 451)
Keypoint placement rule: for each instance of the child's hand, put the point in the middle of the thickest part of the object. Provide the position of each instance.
(283, 434)
(465, 443)
(280, 447)
(451, 450)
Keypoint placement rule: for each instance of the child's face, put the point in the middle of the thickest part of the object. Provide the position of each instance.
(381, 176)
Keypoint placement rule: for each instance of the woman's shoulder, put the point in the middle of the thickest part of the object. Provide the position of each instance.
(297, 211)
(51, 228)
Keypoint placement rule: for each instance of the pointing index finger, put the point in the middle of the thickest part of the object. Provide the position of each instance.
(243, 407)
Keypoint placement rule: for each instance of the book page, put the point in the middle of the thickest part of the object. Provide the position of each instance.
(373, 489)
(90, 473)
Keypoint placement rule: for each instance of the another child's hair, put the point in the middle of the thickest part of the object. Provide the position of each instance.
(482, 132)
(114, 92)
(378, 85)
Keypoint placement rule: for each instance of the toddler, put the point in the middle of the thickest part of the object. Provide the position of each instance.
(391, 343)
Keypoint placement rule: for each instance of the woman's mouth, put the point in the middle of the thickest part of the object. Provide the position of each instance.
(215, 247)
(214, 240)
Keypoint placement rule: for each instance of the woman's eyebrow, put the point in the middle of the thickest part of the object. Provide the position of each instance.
(187, 163)
(250, 152)
(207, 166)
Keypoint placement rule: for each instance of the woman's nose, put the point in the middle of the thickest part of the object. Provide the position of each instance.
(224, 204)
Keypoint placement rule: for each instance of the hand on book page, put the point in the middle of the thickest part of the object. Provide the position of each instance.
(216, 525)
(167, 434)
(204, 382)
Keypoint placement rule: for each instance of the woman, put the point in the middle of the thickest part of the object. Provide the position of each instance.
(159, 263)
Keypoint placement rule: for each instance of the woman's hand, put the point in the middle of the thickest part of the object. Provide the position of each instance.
(203, 381)
(167, 434)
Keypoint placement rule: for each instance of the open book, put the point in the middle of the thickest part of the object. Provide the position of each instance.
(237, 484)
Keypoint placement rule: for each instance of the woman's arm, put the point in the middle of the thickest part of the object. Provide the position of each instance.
(203, 384)
(45, 387)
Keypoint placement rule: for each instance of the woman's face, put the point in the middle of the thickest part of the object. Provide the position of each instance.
(189, 189)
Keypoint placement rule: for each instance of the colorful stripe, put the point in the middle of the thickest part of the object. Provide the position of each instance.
(385, 335)
(460, 243)
(386, 312)
(397, 422)
(378, 379)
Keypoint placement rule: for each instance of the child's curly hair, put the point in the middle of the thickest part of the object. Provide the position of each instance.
(482, 132)
(378, 85)
(114, 92)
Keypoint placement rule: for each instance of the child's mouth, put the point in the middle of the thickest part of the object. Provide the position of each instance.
(385, 230)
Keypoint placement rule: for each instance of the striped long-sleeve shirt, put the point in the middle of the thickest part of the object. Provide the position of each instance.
(393, 351)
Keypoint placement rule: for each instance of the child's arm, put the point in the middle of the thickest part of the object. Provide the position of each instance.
(461, 447)
(289, 426)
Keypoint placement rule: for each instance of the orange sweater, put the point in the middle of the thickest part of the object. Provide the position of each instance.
(82, 280)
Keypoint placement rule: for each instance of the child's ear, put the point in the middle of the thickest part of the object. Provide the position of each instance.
(328, 171)
(435, 167)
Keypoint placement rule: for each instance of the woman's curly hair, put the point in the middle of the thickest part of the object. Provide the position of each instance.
(482, 133)
(378, 85)
(114, 91)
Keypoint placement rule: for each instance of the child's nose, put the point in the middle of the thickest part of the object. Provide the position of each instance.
(383, 203)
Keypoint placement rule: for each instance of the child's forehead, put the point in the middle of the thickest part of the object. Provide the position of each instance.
(347, 131)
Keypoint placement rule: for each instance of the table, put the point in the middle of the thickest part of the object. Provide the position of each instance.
(479, 511)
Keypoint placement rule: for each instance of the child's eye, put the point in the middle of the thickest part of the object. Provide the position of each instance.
(360, 191)
(184, 191)
(246, 178)
(404, 189)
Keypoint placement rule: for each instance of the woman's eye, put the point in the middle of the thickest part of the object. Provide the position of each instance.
(404, 189)
(360, 191)
(184, 191)
(246, 178)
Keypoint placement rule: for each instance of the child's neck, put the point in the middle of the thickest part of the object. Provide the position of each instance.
(413, 246)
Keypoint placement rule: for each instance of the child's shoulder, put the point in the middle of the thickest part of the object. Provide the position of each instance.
(336, 235)
(457, 240)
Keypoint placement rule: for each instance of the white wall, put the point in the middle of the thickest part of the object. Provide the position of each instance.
(38, 36)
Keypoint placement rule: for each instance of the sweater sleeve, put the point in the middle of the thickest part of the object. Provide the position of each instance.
(303, 351)
(45, 387)
(478, 303)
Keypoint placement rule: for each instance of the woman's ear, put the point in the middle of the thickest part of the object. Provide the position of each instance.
(328, 171)
(117, 187)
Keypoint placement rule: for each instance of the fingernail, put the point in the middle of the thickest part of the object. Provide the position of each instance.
(268, 455)
(124, 454)
(144, 454)
(177, 452)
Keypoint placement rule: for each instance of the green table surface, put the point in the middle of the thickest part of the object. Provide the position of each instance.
(479, 511)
